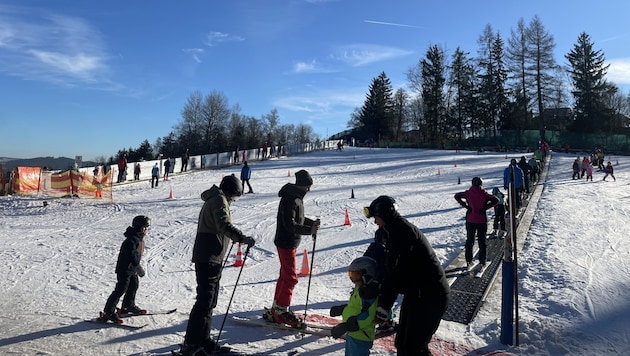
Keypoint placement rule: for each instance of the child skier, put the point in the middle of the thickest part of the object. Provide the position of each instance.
(128, 270)
(359, 315)
(499, 213)
(609, 170)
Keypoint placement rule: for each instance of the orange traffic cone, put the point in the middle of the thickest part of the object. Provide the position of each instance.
(305, 271)
(438, 172)
(455, 163)
(347, 222)
(288, 173)
(239, 257)
(170, 195)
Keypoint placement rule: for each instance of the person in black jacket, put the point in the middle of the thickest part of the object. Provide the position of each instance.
(128, 269)
(214, 233)
(413, 270)
(291, 224)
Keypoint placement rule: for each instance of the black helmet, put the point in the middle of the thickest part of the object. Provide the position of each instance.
(231, 186)
(141, 221)
(366, 265)
(477, 181)
(383, 206)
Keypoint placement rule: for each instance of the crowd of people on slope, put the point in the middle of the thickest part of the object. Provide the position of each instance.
(379, 277)
(583, 167)
(399, 249)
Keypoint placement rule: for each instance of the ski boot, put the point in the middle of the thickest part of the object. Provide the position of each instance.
(110, 316)
(131, 310)
(280, 315)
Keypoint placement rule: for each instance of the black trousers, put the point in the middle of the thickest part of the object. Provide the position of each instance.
(200, 319)
(480, 230)
(127, 285)
(420, 317)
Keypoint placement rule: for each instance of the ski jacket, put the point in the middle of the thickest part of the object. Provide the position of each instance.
(519, 182)
(130, 252)
(122, 164)
(609, 169)
(214, 228)
(155, 171)
(291, 223)
(476, 201)
(363, 307)
(246, 173)
(412, 267)
(167, 165)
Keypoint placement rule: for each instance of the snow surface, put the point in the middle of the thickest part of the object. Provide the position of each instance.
(57, 261)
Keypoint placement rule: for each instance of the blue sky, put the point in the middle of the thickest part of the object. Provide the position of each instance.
(91, 77)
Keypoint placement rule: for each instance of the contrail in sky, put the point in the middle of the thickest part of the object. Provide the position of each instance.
(390, 23)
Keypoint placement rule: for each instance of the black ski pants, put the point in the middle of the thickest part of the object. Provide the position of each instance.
(479, 230)
(127, 285)
(200, 320)
(420, 317)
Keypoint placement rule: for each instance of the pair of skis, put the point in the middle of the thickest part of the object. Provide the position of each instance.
(123, 325)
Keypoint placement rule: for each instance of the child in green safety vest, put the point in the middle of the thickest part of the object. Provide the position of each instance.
(359, 315)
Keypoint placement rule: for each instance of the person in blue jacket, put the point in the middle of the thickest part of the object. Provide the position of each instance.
(155, 175)
(519, 181)
(359, 315)
(246, 174)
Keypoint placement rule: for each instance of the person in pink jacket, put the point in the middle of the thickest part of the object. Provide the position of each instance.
(476, 201)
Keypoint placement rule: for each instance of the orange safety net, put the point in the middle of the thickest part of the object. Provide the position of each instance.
(63, 184)
(26, 180)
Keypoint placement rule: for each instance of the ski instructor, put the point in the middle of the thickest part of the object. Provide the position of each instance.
(413, 270)
(214, 232)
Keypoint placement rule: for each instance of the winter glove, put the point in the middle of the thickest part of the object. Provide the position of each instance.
(381, 314)
(338, 330)
(337, 310)
(248, 240)
(315, 227)
(140, 271)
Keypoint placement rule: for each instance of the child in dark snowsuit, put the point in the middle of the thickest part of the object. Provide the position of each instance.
(128, 270)
(499, 213)
(609, 170)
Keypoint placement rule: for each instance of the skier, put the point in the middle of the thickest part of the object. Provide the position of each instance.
(476, 201)
(359, 314)
(246, 174)
(167, 167)
(499, 213)
(155, 175)
(214, 232)
(128, 269)
(185, 157)
(519, 182)
(291, 224)
(609, 170)
(425, 294)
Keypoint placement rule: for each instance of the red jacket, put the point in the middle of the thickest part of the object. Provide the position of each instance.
(476, 200)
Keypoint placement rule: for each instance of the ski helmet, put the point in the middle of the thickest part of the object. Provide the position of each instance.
(364, 265)
(383, 207)
(141, 221)
(231, 186)
(477, 181)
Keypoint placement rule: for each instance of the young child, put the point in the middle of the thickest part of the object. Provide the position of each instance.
(609, 170)
(589, 172)
(359, 315)
(128, 270)
(499, 213)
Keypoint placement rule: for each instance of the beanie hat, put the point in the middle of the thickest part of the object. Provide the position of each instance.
(303, 179)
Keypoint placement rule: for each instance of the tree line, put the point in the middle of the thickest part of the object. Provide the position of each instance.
(506, 86)
(208, 125)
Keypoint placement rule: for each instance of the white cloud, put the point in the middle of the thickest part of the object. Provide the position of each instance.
(195, 53)
(619, 71)
(215, 38)
(360, 55)
(49, 47)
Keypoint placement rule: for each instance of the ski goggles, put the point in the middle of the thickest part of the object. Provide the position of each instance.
(355, 276)
(366, 212)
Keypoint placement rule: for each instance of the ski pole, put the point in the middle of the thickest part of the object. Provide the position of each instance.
(233, 292)
(308, 289)
(227, 256)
